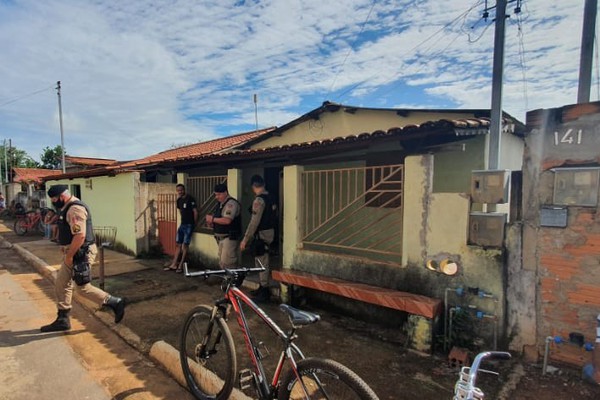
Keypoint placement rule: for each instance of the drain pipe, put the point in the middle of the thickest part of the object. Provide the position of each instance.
(546, 351)
(459, 292)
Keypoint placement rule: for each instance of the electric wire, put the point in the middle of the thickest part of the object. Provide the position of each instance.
(461, 16)
(521, 35)
(341, 67)
(25, 96)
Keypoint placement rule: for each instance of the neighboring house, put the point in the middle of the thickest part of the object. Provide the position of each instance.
(124, 195)
(373, 195)
(556, 287)
(27, 186)
(74, 164)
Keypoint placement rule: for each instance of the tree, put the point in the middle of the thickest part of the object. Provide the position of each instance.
(17, 158)
(51, 157)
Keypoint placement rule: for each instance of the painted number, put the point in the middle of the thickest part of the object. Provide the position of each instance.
(569, 137)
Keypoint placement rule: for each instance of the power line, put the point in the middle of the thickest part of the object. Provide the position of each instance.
(25, 96)
(350, 49)
(463, 15)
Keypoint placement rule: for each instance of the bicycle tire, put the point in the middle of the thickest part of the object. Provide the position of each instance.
(324, 379)
(207, 354)
(20, 227)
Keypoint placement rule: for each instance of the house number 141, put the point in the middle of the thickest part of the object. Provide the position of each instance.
(570, 137)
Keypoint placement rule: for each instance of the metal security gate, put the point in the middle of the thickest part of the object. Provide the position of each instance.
(354, 211)
(167, 222)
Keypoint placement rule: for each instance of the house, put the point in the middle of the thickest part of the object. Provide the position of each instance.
(27, 186)
(74, 163)
(124, 195)
(375, 196)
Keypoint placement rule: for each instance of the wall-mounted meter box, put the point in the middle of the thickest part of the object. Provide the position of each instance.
(486, 229)
(576, 186)
(490, 186)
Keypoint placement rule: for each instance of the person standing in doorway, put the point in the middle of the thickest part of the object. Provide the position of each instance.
(260, 233)
(76, 236)
(226, 222)
(188, 210)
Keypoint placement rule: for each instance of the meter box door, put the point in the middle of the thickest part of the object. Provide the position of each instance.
(486, 229)
(490, 186)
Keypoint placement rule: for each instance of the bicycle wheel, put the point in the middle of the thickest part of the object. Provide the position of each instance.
(324, 379)
(20, 227)
(207, 354)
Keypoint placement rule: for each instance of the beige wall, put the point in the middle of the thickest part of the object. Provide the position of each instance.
(112, 203)
(339, 124)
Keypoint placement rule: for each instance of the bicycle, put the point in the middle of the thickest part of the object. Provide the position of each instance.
(209, 363)
(465, 388)
(30, 221)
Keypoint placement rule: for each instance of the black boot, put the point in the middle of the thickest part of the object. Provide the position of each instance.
(62, 323)
(117, 304)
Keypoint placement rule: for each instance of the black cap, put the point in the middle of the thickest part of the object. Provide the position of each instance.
(57, 190)
(257, 180)
(220, 188)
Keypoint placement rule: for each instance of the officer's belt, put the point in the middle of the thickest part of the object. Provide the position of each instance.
(221, 237)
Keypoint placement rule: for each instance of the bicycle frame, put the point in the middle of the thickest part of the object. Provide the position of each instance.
(234, 298)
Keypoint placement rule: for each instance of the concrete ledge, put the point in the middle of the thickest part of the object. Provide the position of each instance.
(166, 355)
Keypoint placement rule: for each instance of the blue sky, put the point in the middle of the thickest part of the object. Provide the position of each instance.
(139, 77)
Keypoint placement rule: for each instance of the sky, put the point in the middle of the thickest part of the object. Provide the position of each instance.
(139, 77)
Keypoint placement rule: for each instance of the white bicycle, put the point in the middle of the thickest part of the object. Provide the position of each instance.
(465, 388)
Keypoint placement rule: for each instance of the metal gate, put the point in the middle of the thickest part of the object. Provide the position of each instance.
(167, 222)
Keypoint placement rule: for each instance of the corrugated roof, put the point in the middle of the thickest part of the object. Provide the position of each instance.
(33, 174)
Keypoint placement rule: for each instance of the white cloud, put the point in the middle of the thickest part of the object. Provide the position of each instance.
(140, 76)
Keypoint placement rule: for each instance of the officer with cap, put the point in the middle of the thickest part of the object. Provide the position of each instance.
(76, 235)
(226, 222)
(261, 233)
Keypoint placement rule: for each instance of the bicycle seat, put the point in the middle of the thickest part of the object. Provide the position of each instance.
(299, 317)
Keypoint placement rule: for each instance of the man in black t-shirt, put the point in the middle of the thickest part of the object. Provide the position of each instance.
(186, 205)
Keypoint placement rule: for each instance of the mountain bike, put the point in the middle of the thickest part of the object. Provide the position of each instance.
(208, 357)
(465, 388)
(30, 221)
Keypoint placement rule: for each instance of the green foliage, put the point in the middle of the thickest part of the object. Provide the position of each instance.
(16, 158)
(51, 157)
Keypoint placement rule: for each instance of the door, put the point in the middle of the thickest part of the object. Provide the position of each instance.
(167, 222)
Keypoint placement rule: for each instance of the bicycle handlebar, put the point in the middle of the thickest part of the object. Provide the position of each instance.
(229, 272)
(493, 355)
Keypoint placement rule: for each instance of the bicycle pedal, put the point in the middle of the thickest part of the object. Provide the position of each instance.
(246, 379)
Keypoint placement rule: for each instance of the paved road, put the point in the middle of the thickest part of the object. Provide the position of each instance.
(89, 362)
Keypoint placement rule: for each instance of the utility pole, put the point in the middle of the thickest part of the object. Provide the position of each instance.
(62, 136)
(256, 110)
(496, 114)
(587, 50)
(5, 163)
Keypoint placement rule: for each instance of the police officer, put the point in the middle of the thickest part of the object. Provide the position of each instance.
(226, 222)
(261, 232)
(76, 235)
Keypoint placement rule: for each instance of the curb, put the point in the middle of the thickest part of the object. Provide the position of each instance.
(162, 353)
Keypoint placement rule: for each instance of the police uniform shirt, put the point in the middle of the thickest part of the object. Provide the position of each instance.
(76, 218)
(186, 205)
(231, 209)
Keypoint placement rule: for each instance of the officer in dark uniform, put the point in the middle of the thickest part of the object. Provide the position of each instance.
(226, 222)
(261, 233)
(76, 235)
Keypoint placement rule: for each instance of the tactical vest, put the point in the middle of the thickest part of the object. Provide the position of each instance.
(234, 229)
(64, 230)
(267, 220)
